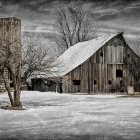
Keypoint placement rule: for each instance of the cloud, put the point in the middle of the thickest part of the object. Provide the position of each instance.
(110, 15)
(117, 16)
(105, 17)
(115, 11)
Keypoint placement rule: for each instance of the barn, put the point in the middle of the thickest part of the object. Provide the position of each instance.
(101, 65)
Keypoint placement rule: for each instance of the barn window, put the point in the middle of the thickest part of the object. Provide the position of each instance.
(101, 54)
(76, 82)
(11, 85)
(128, 55)
(95, 82)
(119, 73)
(109, 82)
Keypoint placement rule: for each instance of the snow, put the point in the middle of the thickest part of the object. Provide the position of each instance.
(64, 116)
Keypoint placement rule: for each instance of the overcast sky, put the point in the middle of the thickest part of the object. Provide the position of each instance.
(110, 15)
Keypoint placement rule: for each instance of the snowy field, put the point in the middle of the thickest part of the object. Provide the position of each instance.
(62, 116)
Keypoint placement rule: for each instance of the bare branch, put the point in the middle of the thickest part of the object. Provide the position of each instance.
(36, 58)
(73, 25)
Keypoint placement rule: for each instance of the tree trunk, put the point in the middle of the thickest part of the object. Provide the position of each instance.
(17, 102)
(8, 89)
(17, 89)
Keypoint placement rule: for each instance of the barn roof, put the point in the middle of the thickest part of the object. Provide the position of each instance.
(79, 53)
(75, 56)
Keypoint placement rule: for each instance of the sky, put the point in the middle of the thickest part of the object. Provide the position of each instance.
(108, 15)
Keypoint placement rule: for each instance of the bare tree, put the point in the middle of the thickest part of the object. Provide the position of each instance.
(22, 62)
(73, 25)
(10, 53)
(36, 58)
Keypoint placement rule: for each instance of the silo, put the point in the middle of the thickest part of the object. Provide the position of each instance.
(10, 36)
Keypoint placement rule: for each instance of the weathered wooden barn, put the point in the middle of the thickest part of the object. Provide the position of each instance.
(104, 64)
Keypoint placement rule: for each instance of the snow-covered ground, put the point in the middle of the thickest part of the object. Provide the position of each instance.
(65, 116)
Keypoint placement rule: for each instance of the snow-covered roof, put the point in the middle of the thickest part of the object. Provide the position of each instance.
(75, 56)
(78, 54)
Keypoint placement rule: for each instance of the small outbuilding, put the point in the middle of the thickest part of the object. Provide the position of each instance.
(104, 64)
(46, 84)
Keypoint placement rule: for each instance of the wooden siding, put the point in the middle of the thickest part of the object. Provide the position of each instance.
(44, 85)
(98, 73)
